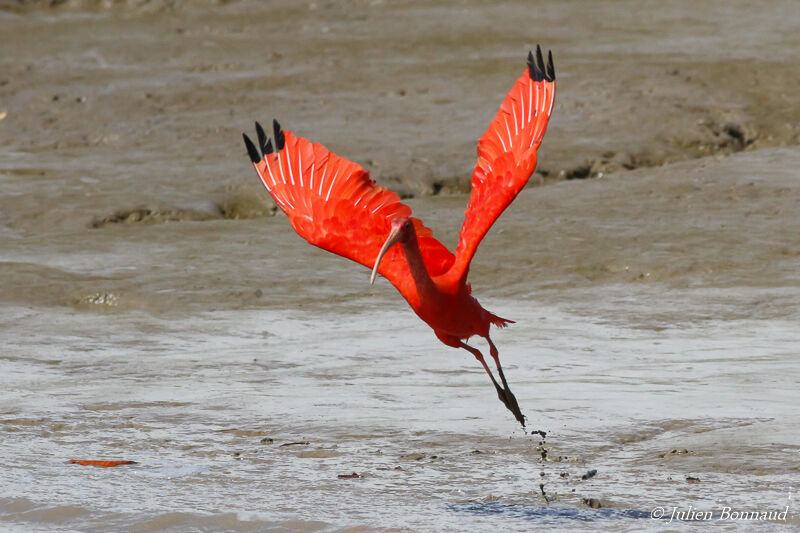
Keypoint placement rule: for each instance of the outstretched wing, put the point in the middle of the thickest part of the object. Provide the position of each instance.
(333, 204)
(507, 154)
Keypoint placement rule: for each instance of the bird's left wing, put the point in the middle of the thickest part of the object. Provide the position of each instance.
(507, 154)
(333, 204)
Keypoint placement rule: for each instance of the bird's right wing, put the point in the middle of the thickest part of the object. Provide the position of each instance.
(333, 204)
(507, 154)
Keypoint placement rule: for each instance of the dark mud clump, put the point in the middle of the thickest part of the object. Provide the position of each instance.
(297, 443)
(238, 206)
(248, 205)
(594, 503)
(103, 299)
(711, 138)
(157, 215)
(546, 497)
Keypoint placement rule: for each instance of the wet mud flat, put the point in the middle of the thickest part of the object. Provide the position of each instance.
(222, 438)
(663, 372)
(154, 309)
(138, 103)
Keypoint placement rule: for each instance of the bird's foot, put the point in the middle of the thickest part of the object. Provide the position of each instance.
(510, 401)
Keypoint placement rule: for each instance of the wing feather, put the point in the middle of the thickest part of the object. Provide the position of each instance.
(507, 160)
(333, 204)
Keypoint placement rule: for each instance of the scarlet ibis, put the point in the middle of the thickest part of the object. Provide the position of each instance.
(333, 204)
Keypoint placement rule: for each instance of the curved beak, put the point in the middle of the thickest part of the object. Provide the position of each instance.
(393, 238)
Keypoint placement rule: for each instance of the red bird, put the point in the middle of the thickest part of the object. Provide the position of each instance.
(333, 204)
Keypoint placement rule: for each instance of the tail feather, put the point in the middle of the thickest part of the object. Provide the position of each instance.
(499, 322)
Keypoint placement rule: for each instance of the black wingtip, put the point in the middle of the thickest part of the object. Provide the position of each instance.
(551, 70)
(537, 69)
(262, 139)
(539, 59)
(533, 69)
(280, 139)
(251, 149)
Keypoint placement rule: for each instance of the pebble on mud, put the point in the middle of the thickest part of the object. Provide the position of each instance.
(413, 456)
(547, 498)
(104, 299)
(594, 503)
(590, 474)
(675, 452)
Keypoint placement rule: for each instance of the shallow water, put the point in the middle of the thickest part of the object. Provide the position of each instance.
(153, 311)
(192, 403)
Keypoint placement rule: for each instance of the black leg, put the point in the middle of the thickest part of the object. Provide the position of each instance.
(511, 400)
(503, 393)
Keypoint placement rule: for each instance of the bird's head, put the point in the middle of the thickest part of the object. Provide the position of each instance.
(402, 230)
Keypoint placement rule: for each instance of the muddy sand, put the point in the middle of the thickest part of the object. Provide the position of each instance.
(155, 307)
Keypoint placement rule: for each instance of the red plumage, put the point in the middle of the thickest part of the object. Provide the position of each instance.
(333, 204)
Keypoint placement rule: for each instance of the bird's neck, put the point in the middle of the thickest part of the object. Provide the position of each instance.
(416, 265)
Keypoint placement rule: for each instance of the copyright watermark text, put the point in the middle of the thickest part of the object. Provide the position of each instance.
(724, 514)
